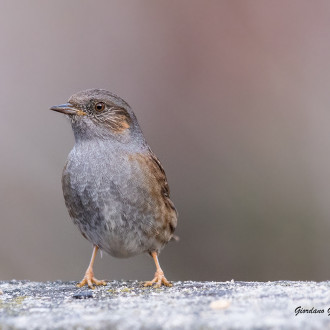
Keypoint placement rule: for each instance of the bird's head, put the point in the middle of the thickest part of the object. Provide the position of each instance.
(97, 113)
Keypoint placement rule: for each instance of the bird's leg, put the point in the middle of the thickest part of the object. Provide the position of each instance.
(159, 278)
(89, 278)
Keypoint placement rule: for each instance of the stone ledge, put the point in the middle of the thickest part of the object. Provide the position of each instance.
(186, 305)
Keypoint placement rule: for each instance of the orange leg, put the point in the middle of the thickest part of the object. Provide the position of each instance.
(159, 278)
(89, 278)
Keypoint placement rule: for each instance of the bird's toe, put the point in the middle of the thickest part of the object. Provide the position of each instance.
(90, 281)
(159, 280)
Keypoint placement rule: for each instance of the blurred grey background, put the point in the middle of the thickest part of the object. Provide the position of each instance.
(233, 97)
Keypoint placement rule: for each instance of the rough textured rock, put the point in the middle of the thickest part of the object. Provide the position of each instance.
(186, 305)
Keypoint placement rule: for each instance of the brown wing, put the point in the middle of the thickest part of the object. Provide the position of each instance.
(161, 176)
(170, 216)
(158, 197)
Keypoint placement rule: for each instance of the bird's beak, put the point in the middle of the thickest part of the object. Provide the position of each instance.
(68, 109)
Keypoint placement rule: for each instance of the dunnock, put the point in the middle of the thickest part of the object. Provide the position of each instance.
(114, 186)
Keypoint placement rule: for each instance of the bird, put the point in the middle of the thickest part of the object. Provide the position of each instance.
(114, 186)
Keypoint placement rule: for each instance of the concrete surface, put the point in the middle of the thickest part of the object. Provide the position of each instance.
(186, 305)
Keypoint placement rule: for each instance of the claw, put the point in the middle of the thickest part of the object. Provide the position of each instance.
(159, 279)
(90, 280)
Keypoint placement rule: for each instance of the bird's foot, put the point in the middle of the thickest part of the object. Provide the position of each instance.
(159, 280)
(89, 279)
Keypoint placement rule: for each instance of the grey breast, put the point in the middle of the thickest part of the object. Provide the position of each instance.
(106, 198)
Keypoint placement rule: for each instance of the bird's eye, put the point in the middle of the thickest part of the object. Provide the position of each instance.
(99, 106)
